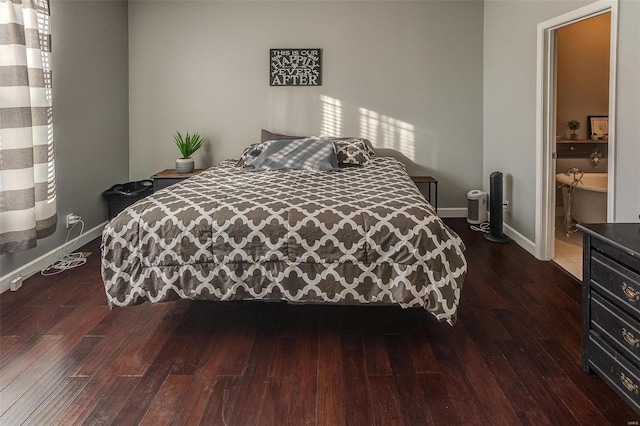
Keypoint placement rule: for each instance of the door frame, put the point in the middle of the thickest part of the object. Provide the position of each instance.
(546, 117)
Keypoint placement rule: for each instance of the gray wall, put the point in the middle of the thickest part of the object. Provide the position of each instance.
(510, 30)
(90, 99)
(406, 74)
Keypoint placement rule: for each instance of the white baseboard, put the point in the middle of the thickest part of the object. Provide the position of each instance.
(47, 259)
(517, 237)
(452, 212)
(520, 239)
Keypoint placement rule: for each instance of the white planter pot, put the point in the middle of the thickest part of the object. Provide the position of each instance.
(185, 165)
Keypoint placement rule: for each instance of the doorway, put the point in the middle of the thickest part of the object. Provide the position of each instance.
(582, 101)
(552, 131)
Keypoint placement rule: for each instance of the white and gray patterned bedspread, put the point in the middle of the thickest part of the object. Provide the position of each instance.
(356, 235)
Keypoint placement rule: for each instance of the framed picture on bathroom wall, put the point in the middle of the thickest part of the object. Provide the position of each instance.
(598, 127)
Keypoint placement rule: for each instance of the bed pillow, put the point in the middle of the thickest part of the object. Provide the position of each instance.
(243, 156)
(352, 151)
(266, 135)
(292, 154)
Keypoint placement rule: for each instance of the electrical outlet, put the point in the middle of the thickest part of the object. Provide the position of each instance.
(506, 206)
(72, 219)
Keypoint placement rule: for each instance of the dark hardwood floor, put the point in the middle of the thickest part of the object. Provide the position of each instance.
(512, 358)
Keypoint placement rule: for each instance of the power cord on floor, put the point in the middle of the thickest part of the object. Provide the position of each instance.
(225, 400)
(66, 260)
(483, 227)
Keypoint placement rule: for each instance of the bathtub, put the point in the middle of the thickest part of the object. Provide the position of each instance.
(589, 199)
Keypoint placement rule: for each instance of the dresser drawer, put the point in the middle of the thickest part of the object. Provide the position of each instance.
(624, 255)
(618, 328)
(620, 284)
(621, 375)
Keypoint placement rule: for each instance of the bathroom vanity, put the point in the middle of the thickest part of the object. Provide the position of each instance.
(611, 306)
(581, 148)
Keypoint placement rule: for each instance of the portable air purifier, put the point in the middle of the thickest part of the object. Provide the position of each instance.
(477, 208)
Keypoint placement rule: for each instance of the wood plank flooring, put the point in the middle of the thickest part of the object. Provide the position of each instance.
(512, 358)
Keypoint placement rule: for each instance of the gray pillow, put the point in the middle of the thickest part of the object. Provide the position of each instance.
(352, 151)
(292, 154)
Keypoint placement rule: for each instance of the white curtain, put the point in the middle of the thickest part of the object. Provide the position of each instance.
(27, 173)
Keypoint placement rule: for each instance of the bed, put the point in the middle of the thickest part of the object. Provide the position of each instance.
(362, 234)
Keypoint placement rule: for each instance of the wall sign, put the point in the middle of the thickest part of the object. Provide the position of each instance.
(295, 67)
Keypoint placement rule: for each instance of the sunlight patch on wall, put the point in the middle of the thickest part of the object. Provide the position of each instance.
(388, 132)
(369, 124)
(331, 116)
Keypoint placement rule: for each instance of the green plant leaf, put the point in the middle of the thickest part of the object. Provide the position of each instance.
(189, 143)
(573, 124)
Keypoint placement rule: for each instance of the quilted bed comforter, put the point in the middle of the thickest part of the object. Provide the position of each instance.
(352, 236)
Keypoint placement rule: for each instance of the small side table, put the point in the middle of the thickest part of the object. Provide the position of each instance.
(169, 177)
(433, 185)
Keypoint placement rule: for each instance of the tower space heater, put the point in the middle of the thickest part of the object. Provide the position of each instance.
(495, 209)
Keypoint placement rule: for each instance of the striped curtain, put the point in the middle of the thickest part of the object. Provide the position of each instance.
(27, 173)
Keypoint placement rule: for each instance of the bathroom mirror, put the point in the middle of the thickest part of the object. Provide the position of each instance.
(598, 126)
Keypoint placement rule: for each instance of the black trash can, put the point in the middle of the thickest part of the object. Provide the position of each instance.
(122, 195)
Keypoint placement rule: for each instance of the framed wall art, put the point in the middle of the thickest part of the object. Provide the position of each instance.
(295, 67)
(598, 126)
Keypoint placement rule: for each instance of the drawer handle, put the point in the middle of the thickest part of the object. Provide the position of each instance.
(630, 338)
(627, 383)
(632, 294)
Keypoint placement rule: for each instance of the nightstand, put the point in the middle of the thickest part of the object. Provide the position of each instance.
(433, 185)
(169, 177)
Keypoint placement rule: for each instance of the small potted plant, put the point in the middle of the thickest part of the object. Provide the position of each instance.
(187, 146)
(573, 125)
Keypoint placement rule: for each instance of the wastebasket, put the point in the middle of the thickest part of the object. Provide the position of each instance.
(122, 195)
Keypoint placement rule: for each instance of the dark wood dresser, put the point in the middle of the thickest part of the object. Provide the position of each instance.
(611, 306)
